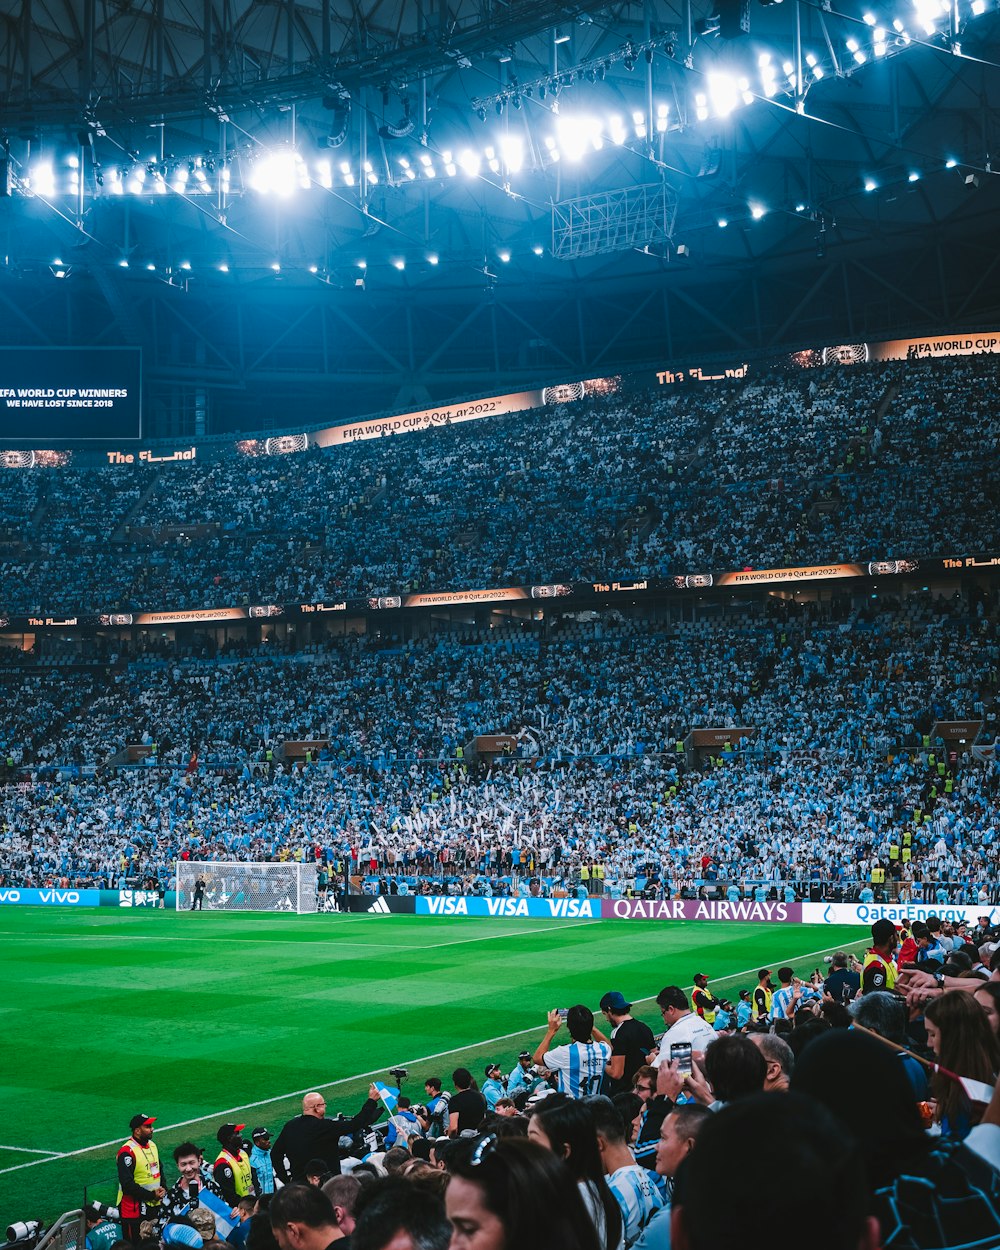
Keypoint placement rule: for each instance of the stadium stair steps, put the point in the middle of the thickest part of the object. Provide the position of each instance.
(120, 534)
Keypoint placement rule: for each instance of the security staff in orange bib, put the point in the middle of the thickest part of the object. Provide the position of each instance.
(140, 1185)
(232, 1170)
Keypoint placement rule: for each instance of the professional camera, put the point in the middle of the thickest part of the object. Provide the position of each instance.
(24, 1230)
(101, 1211)
(399, 1075)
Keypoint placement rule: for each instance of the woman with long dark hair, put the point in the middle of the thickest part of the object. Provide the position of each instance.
(513, 1194)
(566, 1127)
(960, 1036)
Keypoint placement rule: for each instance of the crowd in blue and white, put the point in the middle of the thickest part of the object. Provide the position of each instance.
(837, 763)
(795, 467)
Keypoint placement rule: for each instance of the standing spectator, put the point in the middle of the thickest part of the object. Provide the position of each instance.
(467, 1106)
(232, 1171)
(311, 1135)
(580, 1064)
(260, 1161)
(140, 1185)
(785, 1000)
(683, 1026)
(633, 1187)
(198, 897)
(631, 1042)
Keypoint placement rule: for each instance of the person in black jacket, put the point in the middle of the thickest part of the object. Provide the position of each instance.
(312, 1136)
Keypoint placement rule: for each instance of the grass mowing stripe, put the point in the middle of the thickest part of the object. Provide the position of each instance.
(358, 1076)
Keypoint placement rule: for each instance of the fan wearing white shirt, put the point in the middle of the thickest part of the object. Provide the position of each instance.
(683, 1025)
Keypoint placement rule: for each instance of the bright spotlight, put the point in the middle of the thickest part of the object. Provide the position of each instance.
(399, 264)
(538, 250)
(723, 92)
(433, 259)
(661, 118)
(757, 211)
(913, 176)
(276, 267)
(512, 152)
(42, 179)
(185, 265)
(324, 174)
(871, 184)
(504, 256)
(469, 162)
(223, 268)
(950, 163)
(277, 173)
(576, 135)
(723, 223)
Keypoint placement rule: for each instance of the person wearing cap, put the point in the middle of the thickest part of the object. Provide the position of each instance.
(878, 972)
(140, 1186)
(493, 1087)
(260, 1161)
(631, 1041)
(703, 1001)
(522, 1078)
(232, 1170)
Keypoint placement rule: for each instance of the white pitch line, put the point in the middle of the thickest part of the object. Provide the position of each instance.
(29, 1150)
(360, 1076)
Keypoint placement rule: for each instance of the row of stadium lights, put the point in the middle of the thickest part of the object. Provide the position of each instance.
(283, 172)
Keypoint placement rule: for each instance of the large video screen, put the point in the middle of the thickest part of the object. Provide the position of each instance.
(54, 395)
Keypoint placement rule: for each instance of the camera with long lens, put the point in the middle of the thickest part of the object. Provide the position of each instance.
(399, 1075)
(24, 1231)
(101, 1211)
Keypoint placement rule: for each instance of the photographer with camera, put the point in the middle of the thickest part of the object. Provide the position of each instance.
(102, 1231)
(312, 1136)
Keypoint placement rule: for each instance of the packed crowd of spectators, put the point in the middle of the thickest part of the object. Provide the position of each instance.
(867, 1088)
(838, 765)
(812, 466)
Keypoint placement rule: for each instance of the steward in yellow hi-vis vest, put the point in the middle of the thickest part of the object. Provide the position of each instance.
(878, 972)
(140, 1186)
(703, 1001)
(232, 1168)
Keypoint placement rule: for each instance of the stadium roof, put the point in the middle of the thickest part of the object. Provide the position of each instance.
(434, 199)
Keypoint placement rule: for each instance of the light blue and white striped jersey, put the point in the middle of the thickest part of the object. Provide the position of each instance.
(780, 1001)
(580, 1067)
(636, 1193)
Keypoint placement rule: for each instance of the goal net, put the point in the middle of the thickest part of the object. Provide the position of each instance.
(215, 886)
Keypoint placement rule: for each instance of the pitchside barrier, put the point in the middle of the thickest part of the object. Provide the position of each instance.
(715, 911)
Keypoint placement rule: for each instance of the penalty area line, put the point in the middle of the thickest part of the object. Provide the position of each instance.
(360, 1076)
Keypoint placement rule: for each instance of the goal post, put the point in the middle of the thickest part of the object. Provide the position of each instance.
(235, 886)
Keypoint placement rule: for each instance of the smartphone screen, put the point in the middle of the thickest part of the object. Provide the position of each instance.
(563, 1013)
(193, 1189)
(680, 1053)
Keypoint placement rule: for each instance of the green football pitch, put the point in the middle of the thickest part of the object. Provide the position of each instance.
(199, 1018)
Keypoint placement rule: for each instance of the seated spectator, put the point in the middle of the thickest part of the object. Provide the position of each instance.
(962, 1041)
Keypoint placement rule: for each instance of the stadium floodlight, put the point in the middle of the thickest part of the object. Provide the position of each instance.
(399, 263)
(639, 123)
(42, 179)
(616, 129)
(185, 265)
(701, 105)
(223, 268)
(913, 176)
(288, 887)
(136, 179)
(723, 222)
(950, 163)
(661, 118)
(978, 8)
(504, 256)
(723, 92)
(433, 258)
(757, 211)
(277, 173)
(324, 174)
(576, 135)
(538, 250)
(512, 152)
(469, 162)
(871, 184)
